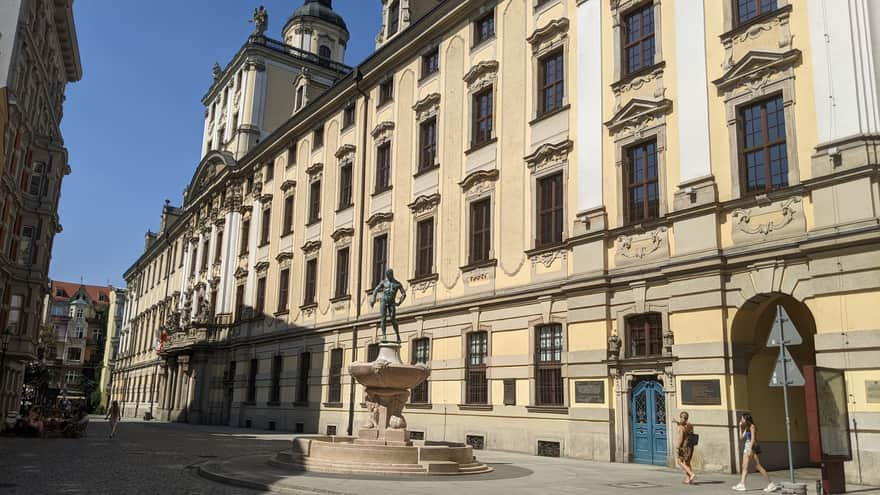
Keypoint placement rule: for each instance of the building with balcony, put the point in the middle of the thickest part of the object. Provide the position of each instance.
(39, 55)
(596, 207)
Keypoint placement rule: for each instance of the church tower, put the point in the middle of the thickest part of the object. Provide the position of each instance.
(316, 28)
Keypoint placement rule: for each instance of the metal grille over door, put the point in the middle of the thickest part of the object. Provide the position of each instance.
(648, 417)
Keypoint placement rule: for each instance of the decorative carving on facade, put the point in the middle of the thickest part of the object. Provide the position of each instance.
(424, 285)
(637, 115)
(241, 272)
(342, 233)
(481, 75)
(308, 311)
(614, 345)
(641, 81)
(479, 182)
(266, 198)
(755, 70)
(480, 274)
(284, 256)
(288, 185)
(425, 204)
(779, 21)
(345, 150)
(786, 213)
(314, 172)
(311, 247)
(548, 155)
(261, 267)
(547, 258)
(641, 246)
(378, 220)
(258, 185)
(382, 132)
(427, 107)
(547, 37)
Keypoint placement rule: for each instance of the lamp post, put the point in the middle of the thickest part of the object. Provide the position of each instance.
(4, 346)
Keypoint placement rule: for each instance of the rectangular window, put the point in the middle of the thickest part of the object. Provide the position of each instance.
(482, 117)
(311, 281)
(428, 144)
(275, 392)
(205, 244)
(302, 389)
(746, 10)
(549, 214)
(291, 154)
(642, 185)
(421, 354)
(283, 289)
(348, 116)
(252, 381)
(638, 39)
(239, 302)
(74, 354)
(549, 389)
(266, 226)
(484, 28)
(383, 167)
(425, 248)
(342, 272)
(763, 152)
(372, 352)
(287, 225)
(315, 201)
(260, 305)
(644, 335)
(334, 394)
(386, 91)
(476, 384)
(270, 170)
(393, 17)
(380, 258)
(318, 137)
(345, 186)
(218, 248)
(245, 236)
(551, 83)
(431, 62)
(481, 231)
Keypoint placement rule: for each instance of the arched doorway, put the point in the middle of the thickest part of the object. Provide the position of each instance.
(753, 364)
(648, 418)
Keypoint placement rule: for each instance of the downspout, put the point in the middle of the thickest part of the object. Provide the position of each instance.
(360, 235)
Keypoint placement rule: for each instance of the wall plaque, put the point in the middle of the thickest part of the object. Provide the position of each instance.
(872, 391)
(509, 392)
(589, 392)
(701, 392)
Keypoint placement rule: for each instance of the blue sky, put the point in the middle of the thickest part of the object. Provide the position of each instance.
(133, 125)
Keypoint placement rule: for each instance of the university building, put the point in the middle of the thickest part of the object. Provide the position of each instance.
(39, 56)
(595, 206)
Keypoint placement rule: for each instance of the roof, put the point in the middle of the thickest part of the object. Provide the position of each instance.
(320, 9)
(68, 289)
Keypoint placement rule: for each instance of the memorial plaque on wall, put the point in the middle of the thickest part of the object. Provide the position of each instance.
(701, 392)
(872, 391)
(589, 392)
(509, 392)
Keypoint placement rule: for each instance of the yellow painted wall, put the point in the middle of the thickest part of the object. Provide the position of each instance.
(510, 343)
(855, 388)
(693, 327)
(845, 312)
(587, 335)
(446, 348)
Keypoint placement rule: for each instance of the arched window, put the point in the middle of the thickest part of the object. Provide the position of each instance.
(325, 52)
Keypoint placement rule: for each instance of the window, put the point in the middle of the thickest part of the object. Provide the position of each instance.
(245, 235)
(181, 251)
(549, 214)
(425, 248)
(318, 137)
(420, 354)
(239, 302)
(345, 185)
(746, 10)
(642, 186)
(218, 247)
(431, 62)
(324, 51)
(476, 383)
(275, 392)
(266, 226)
(372, 352)
(79, 332)
(763, 154)
(386, 91)
(348, 116)
(283, 289)
(302, 389)
(291, 154)
(393, 17)
(638, 39)
(428, 144)
(481, 231)
(334, 394)
(548, 366)
(287, 225)
(252, 381)
(380, 258)
(551, 83)
(644, 335)
(484, 28)
(74, 354)
(311, 281)
(482, 117)
(315, 201)
(205, 243)
(383, 167)
(270, 170)
(342, 272)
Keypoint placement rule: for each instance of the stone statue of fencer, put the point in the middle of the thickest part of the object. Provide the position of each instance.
(388, 287)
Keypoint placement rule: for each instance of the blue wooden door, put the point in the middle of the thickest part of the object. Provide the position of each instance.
(648, 414)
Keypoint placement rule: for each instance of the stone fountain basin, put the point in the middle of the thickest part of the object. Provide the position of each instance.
(388, 375)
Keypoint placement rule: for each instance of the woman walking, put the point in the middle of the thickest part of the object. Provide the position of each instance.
(114, 416)
(748, 432)
(685, 448)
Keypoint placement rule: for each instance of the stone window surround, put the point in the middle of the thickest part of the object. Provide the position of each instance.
(619, 9)
(637, 308)
(548, 160)
(544, 41)
(421, 334)
(479, 13)
(425, 109)
(423, 208)
(465, 332)
(477, 186)
(481, 76)
(533, 335)
(757, 85)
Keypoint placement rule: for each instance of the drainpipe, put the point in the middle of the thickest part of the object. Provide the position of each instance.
(360, 235)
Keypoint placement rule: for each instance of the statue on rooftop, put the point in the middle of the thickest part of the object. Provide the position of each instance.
(388, 288)
(217, 71)
(260, 21)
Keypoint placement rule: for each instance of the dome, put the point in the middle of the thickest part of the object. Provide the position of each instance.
(320, 9)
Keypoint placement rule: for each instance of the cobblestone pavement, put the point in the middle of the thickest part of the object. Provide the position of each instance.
(163, 458)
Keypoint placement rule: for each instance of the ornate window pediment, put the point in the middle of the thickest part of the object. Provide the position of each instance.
(481, 75)
(637, 114)
(377, 220)
(314, 172)
(756, 69)
(288, 184)
(549, 154)
(261, 267)
(382, 132)
(342, 233)
(549, 36)
(284, 259)
(427, 107)
(478, 181)
(344, 151)
(241, 272)
(425, 204)
(311, 247)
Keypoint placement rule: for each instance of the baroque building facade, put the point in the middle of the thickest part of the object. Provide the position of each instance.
(596, 207)
(39, 55)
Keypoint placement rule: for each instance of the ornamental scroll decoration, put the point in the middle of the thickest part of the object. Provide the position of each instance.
(548, 258)
(427, 107)
(424, 285)
(633, 246)
(424, 205)
(744, 219)
(779, 21)
(481, 75)
(479, 182)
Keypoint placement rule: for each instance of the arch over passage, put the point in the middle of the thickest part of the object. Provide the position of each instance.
(753, 365)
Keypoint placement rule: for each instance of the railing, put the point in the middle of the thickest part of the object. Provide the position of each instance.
(280, 46)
